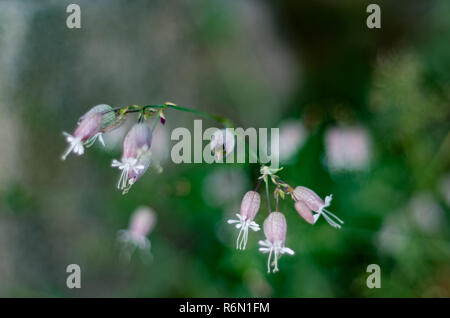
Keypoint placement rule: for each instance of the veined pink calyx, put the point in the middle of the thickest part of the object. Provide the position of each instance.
(275, 228)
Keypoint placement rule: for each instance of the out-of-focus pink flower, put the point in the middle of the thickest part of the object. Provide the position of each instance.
(135, 156)
(222, 143)
(292, 137)
(142, 222)
(90, 128)
(231, 182)
(312, 201)
(348, 148)
(275, 228)
(426, 212)
(249, 207)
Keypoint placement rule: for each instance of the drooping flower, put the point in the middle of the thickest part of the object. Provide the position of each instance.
(136, 156)
(314, 203)
(275, 228)
(142, 222)
(249, 207)
(222, 143)
(91, 126)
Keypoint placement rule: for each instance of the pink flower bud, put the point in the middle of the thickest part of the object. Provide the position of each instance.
(249, 207)
(275, 228)
(90, 128)
(142, 222)
(222, 143)
(315, 203)
(304, 212)
(136, 156)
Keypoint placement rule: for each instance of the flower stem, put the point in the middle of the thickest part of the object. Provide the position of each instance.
(268, 197)
(276, 202)
(257, 185)
(155, 123)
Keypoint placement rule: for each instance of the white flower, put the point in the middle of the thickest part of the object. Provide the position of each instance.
(243, 224)
(276, 249)
(127, 165)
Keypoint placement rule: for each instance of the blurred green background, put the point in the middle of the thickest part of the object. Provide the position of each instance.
(259, 63)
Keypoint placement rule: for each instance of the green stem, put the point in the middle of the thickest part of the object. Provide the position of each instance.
(268, 196)
(220, 119)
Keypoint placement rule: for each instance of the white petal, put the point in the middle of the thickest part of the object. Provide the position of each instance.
(100, 138)
(316, 217)
(287, 250)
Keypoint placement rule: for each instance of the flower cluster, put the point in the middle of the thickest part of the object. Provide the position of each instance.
(136, 154)
(136, 158)
(307, 203)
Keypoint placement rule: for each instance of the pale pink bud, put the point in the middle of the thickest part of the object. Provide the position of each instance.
(142, 222)
(222, 143)
(304, 212)
(316, 204)
(136, 156)
(249, 207)
(90, 128)
(275, 228)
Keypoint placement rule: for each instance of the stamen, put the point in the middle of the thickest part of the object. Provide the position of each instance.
(331, 214)
(268, 260)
